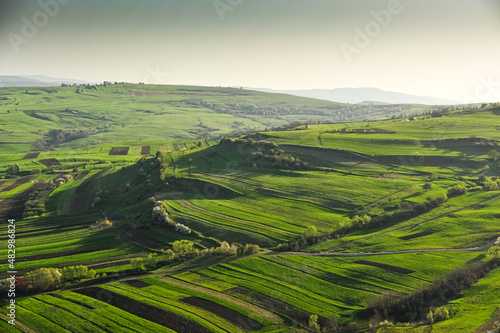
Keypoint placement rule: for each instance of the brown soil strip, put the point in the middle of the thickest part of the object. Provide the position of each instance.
(420, 234)
(58, 254)
(145, 150)
(234, 317)
(119, 151)
(176, 147)
(81, 175)
(50, 162)
(2, 182)
(270, 303)
(388, 268)
(29, 156)
(18, 182)
(156, 315)
(72, 301)
(13, 207)
(136, 283)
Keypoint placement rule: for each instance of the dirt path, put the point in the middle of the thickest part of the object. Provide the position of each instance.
(18, 324)
(414, 224)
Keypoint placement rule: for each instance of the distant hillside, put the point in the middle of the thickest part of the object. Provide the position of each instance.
(360, 95)
(34, 81)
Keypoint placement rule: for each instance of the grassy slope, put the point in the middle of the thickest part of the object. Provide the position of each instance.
(245, 203)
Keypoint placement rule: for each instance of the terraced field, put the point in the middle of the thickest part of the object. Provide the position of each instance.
(344, 213)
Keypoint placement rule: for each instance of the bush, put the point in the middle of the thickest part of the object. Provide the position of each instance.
(457, 190)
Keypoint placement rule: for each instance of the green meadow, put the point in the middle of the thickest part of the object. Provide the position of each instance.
(345, 208)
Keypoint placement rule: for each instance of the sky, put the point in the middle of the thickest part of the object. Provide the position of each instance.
(442, 48)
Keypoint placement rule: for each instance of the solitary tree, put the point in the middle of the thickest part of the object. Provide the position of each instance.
(313, 323)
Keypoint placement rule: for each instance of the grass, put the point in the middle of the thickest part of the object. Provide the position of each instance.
(223, 193)
(475, 311)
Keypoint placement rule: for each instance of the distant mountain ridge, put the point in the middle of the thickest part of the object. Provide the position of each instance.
(35, 81)
(362, 96)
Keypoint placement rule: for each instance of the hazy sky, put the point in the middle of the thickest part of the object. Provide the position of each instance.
(443, 48)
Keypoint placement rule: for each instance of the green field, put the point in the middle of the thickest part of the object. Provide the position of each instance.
(395, 204)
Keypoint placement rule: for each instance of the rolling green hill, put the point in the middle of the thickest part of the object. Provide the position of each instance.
(347, 214)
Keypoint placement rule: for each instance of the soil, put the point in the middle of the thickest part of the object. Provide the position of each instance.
(18, 182)
(29, 156)
(119, 151)
(420, 234)
(50, 162)
(145, 150)
(81, 175)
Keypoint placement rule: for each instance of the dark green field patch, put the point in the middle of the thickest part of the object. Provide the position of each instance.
(389, 268)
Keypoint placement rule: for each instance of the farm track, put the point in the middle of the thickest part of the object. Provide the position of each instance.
(414, 224)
